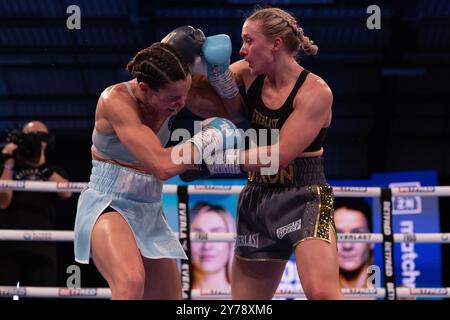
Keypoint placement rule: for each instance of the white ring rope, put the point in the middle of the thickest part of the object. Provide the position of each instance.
(53, 235)
(50, 186)
(105, 293)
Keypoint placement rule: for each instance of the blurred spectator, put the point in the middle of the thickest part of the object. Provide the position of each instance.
(30, 263)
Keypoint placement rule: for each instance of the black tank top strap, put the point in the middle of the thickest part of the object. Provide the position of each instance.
(261, 117)
(300, 80)
(256, 86)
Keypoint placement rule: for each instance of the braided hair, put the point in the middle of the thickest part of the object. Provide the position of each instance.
(276, 22)
(157, 66)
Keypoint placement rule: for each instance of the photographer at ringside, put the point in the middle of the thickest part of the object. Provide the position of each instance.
(23, 156)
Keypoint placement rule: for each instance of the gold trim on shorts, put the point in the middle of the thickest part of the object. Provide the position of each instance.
(324, 217)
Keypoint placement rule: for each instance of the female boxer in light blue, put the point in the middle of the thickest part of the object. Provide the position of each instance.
(120, 222)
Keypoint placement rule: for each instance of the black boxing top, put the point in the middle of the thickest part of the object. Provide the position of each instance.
(261, 117)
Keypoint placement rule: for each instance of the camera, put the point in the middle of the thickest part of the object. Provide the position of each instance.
(28, 144)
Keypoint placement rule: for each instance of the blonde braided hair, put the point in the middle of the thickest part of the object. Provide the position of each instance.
(276, 22)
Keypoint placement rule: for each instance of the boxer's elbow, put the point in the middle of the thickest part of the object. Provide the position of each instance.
(163, 174)
(157, 170)
(156, 161)
(162, 171)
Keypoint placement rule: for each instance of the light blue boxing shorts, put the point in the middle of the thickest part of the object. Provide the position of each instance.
(137, 197)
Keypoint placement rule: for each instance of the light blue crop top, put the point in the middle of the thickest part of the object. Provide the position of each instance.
(108, 146)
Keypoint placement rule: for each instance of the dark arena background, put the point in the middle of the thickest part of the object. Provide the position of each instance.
(391, 110)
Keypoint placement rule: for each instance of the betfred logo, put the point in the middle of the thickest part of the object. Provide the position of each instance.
(82, 292)
(21, 292)
(350, 189)
(70, 185)
(219, 188)
(360, 291)
(19, 184)
(428, 291)
(416, 189)
(218, 292)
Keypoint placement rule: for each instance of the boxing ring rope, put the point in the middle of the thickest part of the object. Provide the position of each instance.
(105, 293)
(50, 186)
(56, 235)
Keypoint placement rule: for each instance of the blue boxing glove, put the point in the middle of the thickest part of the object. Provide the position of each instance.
(216, 52)
(218, 148)
(216, 134)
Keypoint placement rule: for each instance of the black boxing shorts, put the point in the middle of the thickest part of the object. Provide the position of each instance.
(275, 213)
